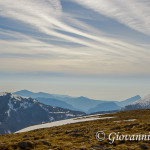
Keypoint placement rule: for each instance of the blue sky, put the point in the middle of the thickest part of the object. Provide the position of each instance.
(99, 49)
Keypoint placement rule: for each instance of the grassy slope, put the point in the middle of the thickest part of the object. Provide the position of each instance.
(82, 135)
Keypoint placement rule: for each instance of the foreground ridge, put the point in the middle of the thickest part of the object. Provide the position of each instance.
(81, 135)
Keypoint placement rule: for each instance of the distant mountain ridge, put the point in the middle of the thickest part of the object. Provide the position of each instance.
(107, 106)
(79, 103)
(17, 112)
(27, 93)
(55, 103)
(76, 103)
(128, 101)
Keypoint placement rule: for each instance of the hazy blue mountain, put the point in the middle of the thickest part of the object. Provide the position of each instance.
(75, 103)
(106, 106)
(78, 103)
(82, 103)
(17, 112)
(27, 93)
(85, 104)
(55, 103)
(128, 101)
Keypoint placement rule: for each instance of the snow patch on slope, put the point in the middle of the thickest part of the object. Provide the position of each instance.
(10, 106)
(63, 122)
(25, 105)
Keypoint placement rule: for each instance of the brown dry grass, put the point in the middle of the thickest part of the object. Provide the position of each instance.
(81, 136)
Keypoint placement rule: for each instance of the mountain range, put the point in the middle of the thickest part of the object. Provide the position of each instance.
(81, 103)
(17, 112)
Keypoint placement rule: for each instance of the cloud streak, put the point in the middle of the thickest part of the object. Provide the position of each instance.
(47, 21)
(83, 46)
(134, 14)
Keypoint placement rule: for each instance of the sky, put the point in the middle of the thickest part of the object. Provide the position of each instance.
(99, 49)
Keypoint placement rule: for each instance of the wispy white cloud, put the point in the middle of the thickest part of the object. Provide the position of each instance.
(45, 17)
(134, 14)
(97, 52)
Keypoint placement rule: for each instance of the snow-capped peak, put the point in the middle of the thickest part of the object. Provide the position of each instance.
(143, 103)
(4, 93)
(16, 97)
(28, 111)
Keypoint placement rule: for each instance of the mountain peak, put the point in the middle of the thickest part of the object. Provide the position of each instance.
(25, 111)
(143, 103)
(5, 93)
(24, 91)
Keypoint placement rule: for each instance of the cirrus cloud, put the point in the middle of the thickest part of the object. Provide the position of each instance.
(59, 42)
